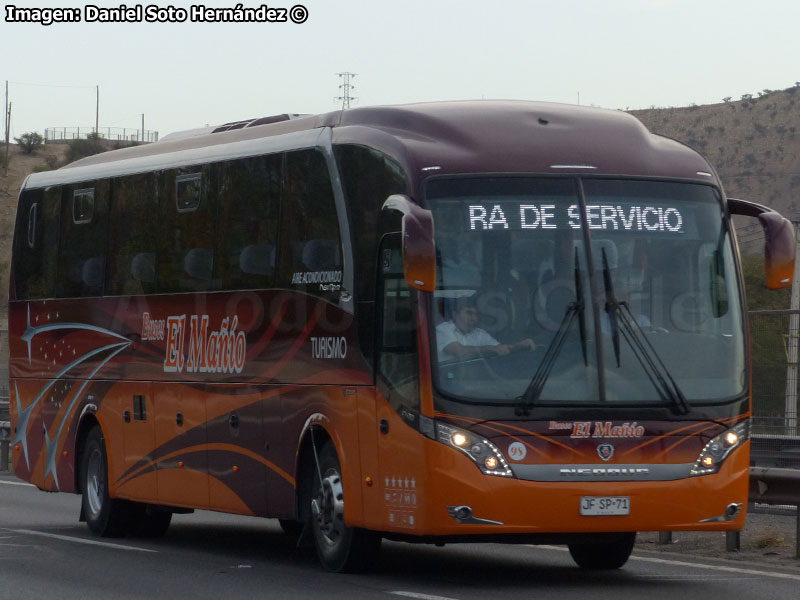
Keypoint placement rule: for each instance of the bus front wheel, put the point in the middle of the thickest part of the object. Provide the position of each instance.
(340, 548)
(105, 516)
(608, 552)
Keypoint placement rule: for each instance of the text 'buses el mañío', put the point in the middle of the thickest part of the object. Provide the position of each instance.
(469, 321)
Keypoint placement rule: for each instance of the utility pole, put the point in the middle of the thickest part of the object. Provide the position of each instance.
(141, 137)
(790, 410)
(7, 119)
(8, 127)
(346, 86)
(97, 114)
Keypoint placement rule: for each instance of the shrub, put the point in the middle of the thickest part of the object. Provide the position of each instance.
(50, 163)
(93, 144)
(29, 142)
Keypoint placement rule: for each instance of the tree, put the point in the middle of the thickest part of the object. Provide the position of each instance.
(29, 142)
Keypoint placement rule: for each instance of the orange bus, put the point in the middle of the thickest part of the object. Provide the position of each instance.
(445, 322)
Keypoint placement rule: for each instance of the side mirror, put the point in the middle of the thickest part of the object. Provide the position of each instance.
(779, 246)
(419, 250)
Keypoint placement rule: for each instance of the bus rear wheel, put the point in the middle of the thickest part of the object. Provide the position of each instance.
(609, 552)
(340, 548)
(105, 516)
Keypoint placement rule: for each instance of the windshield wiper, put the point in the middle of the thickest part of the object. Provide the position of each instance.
(526, 401)
(612, 306)
(621, 319)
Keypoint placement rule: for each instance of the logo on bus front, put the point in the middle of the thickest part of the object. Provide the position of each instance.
(606, 451)
(598, 429)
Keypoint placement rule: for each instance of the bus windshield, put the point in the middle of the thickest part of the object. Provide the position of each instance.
(526, 313)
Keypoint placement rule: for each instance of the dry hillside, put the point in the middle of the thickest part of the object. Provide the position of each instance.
(754, 143)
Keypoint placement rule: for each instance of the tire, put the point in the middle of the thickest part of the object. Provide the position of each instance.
(340, 548)
(150, 521)
(609, 552)
(105, 516)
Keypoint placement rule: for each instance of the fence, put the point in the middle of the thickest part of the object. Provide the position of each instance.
(63, 134)
(776, 435)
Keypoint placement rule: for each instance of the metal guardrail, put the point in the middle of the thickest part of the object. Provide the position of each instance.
(5, 439)
(777, 487)
(771, 450)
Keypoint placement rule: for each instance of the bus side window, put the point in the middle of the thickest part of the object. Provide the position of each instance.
(135, 232)
(311, 257)
(398, 364)
(36, 244)
(186, 254)
(248, 221)
(368, 178)
(82, 253)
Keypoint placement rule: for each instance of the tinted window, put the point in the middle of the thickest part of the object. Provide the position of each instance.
(36, 243)
(368, 178)
(310, 227)
(135, 231)
(249, 192)
(81, 260)
(186, 257)
(398, 365)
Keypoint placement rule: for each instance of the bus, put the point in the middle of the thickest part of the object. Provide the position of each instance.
(441, 322)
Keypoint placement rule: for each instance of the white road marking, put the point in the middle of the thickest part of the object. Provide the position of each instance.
(737, 570)
(419, 596)
(680, 563)
(16, 483)
(68, 538)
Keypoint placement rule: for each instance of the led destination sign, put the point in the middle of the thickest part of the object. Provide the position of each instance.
(521, 216)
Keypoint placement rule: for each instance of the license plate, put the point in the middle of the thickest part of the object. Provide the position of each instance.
(605, 505)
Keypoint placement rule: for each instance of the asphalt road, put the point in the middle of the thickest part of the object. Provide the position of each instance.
(46, 553)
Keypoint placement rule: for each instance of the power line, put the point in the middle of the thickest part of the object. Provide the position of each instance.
(346, 86)
(80, 87)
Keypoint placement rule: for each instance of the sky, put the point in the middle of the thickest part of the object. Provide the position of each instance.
(610, 53)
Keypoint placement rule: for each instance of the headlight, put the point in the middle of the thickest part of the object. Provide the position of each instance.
(482, 452)
(718, 449)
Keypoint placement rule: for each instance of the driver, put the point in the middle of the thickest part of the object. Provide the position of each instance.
(461, 338)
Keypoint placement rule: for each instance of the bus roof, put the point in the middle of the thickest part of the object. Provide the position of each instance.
(431, 138)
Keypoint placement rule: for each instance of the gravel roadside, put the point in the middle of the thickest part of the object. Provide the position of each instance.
(766, 538)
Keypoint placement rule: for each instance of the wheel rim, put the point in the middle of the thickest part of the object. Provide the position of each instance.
(95, 482)
(330, 508)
